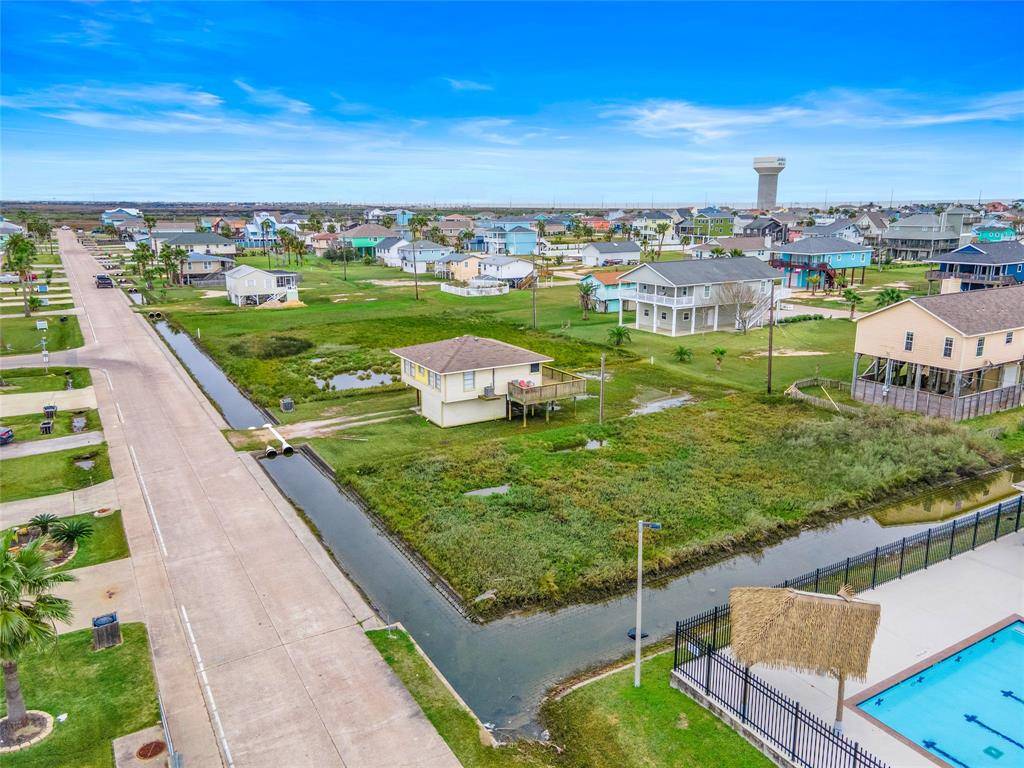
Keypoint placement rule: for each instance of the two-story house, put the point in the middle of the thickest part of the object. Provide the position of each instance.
(508, 269)
(677, 298)
(766, 226)
(606, 291)
(953, 355)
(923, 236)
(872, 225)
(421, 256)
(469, 379)
(200, 242)
(386, 251)
(364, 237)
(517, 240)
(204, 267)
(705, 224)
(250, 286)
(759, 247)
(261, 232)
(845, 229)
(824, 257)
(982, 265)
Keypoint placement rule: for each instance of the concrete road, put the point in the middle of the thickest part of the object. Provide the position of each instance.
(35, 447)
(257, 640)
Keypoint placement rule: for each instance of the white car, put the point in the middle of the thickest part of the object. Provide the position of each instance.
(65, 227)
(8, 279)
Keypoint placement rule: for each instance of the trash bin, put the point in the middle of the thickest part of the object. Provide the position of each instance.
(49, 411)
(46, 427)
(106, 631)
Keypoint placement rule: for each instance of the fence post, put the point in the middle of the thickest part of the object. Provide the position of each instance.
(817, 574)
(927, 547)
(675, 656)
(1020, 504)
(874, 569)
(974, 537)
(707, 674)
(796, 721)
(952, 538)
(714, 629)
(999, 518)
(846, 573)
(856, 754)
(746, 687)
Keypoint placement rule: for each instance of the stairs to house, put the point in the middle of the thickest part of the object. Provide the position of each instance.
(757, 315)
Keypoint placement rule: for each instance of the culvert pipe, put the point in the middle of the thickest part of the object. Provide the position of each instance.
(286, 447)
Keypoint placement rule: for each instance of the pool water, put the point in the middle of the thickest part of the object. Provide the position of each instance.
(967, 709)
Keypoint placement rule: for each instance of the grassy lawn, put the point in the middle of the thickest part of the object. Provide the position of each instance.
(18, 380)
(26, 426)
(48, 473)
(106, 694)
(908, 278)
(719, 475)
(107, 542)
(606, 723)
(18, 335)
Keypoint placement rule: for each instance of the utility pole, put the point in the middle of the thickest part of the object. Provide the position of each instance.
(771, 333)
(600, 396)
(536, 279)
(640, 525)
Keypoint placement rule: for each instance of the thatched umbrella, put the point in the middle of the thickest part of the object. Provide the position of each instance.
(806, 631)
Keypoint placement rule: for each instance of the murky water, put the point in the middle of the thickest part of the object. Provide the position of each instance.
(502, 669)
(354, 380)
(945, 503)
(136, 297)
(654, 406)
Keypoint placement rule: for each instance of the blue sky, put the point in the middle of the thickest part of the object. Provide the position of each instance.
(535, 103)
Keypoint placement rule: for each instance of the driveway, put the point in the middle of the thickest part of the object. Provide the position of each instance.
(16, 450)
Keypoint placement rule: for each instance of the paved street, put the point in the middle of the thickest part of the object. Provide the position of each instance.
(257, 640)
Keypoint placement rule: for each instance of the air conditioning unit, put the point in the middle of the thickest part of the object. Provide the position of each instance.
(489, 390)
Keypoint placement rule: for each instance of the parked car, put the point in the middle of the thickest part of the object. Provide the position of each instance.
(6, 435)
(65, 227)
(8, 279)
(104, 281)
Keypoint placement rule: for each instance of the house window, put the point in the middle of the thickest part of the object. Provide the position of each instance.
(1009, 337)
(434, 379)
(947, 347)
(707, 291)
(980, 349)
(468, 381)
(764, 286)
(686, 315)
(664, 316)
(407, 367)
(908, 341)
(419, 370)
(534, 367)
(647, 313)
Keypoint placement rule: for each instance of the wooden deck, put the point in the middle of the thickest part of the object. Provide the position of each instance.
(555, 385)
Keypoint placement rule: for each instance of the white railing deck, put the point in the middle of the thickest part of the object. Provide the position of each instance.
(656, 298)
(465, 290)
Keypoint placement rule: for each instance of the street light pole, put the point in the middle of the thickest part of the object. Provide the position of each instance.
(640, 525)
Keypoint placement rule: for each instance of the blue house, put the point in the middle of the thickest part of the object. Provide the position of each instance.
(515, 240)
(983, 265)
(255, 237)
(606, 290)
(826, 257)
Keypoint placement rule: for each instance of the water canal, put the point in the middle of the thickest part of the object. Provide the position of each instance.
(503, 668)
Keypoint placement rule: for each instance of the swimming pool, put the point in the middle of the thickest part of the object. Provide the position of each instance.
(967, 708)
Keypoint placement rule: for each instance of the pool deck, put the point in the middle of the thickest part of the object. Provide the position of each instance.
(923, 614)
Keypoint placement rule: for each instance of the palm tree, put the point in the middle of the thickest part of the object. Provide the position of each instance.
(682, 354)
(719, 353)
(813, 281)
(586, 298)
(265, 226)
(28, 613)
(435, 235)
(150, 221)
(417, 224)
(465, 236)
(618, 335)
(225, 231)
(736, 253)
(662, 228)
(43, 521)
(19, 252)
(542, 228)
(142, 255)
(853, 299)
(68, 532)
(387, 221)
(887, 297)
(170, 259)
(718, 251)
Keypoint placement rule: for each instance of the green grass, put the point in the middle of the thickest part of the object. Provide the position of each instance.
(107, 542)
(910, 275)
(20, 380)
(31, 476)
(605, 723)
(18, 335)
(106, 694)
(26, 426)
(720, 475)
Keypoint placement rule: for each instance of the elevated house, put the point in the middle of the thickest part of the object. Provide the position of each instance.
(422, 255)
(251, 286)
(831, 259)
(766, 226)
(322, 242)
(261, 231)
(924, 236)
(844, 229)
(982, 265)
(872, 225)
(459, 266)
(607, 289)
(758, 247)
(614, 253)
(518, 273)
(705, 224)
(387, 251)
(115, 215)
(516, 240)
(470, 379)
(953, 355)
(365, 237)
(677, 298)
(201, 242)
(206, 268)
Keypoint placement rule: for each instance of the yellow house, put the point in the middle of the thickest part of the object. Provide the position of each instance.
(468, 379)
(954, 355)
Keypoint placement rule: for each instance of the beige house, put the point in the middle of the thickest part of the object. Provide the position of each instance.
(469, 379)
(954, 355)
(458, 266)
(677, 298)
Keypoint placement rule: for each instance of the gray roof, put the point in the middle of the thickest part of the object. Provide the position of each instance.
(196, 238)
(196, 256)
(703, 271)
(424, 245)
(819, 245)
(500, 261)
(468, 353)
(389, 242)
(761, 221)
(1005, 252)
(821, 230)
(617, 246)
(655, 215)
(976, 312)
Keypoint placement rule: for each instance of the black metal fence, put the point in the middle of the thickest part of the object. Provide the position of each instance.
(805, 738)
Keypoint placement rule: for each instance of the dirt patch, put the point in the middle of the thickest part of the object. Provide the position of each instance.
(36, 727)
(785, 353)
(213, 294)
(400, 282)
(274, 304)
(901, 285)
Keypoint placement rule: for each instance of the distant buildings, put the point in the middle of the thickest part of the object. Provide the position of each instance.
(117, 215)
(705, 224)
(923, 236)
(614, 252)
(845, 229)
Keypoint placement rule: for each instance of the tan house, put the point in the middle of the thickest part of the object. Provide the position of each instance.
(322, 242)
(469, 379)
(954, 355)
(458, 266)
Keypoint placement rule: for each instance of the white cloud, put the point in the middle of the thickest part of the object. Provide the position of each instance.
(494, 130)
(468, 85)
(269, 97)
(119, 97)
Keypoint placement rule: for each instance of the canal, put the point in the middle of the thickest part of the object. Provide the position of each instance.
(503, 668)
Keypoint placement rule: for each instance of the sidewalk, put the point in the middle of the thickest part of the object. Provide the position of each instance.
(19, 403)
(16, 450)
(99, 496)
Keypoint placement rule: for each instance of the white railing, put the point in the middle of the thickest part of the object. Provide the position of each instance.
(655, 298)
(464, 290)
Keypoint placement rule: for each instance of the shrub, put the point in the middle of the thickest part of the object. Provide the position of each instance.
(801, 318)
(683, 354)
(70, 531)
(43, 521)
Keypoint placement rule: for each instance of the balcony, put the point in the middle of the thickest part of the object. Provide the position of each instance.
(632, 294)
(969, 277)
(554, 384)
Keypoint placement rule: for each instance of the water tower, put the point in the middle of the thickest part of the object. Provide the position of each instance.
(768, 170)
